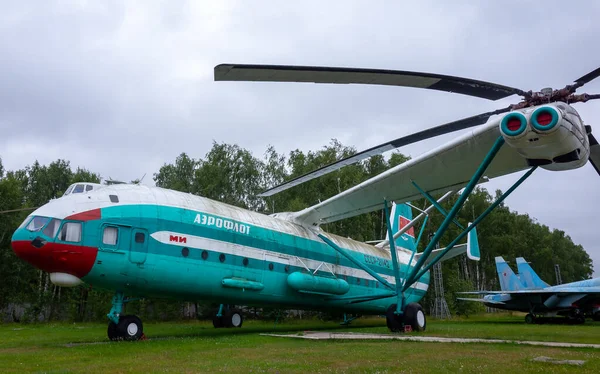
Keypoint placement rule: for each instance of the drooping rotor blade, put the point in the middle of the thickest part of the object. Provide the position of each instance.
(594, 153)
(317, 74)
(587, 78)
(17, 210)
(387, 146)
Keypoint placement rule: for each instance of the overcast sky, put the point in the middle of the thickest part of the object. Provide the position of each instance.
(121, 87)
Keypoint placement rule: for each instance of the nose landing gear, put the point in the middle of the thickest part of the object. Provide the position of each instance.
(128, 327)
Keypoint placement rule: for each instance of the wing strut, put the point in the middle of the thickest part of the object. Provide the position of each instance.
(459, 203)
(404, 280)
(355, 261)
(418, 271)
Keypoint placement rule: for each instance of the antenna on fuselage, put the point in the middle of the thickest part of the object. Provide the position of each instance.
(110, 182)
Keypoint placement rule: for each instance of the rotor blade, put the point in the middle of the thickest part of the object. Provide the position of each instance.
(587, 78)
(317, 74)
(594, 153)
(17, 210)
(387, 146)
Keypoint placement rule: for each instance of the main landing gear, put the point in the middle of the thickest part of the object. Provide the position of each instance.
(128, 327)
(412, 316)
(228, 317)
(576, 317)
(530, 318)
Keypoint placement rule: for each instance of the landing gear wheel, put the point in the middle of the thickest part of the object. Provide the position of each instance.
(415, 317)
(218, 322)
(395, 322)
(113, 333)
(596, 316)
(130, 328)
(530, 318)
(577, 317)
(233, 318)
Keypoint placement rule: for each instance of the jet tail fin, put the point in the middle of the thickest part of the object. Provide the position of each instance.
(401, 215)
(528, 276)
(508, 280)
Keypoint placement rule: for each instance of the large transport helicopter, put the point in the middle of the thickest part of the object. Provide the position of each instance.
(151, 242)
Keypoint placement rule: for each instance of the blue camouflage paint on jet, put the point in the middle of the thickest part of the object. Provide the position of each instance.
(528, 293)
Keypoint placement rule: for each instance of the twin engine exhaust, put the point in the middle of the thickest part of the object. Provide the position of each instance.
(542, 120)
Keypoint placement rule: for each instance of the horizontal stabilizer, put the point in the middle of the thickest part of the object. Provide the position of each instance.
(455, 251)
(480, 300)
(550, 290)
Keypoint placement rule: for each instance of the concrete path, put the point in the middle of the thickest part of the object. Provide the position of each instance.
(319, 335)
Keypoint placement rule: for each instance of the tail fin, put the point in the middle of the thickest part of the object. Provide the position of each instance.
(401, 215)
(473, 245)
(529, 277)
(508, 279)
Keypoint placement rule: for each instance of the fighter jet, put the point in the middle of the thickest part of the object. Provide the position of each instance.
(528, 293)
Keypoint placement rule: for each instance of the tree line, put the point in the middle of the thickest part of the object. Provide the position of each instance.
(233, 175)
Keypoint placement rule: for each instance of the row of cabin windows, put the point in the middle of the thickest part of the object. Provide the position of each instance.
(111, 236)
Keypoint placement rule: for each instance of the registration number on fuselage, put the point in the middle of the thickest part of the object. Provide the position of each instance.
(372, 260)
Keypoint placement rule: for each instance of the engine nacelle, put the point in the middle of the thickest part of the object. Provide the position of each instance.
(551, 136)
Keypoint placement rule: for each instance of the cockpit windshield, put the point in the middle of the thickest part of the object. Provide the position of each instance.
(81, 187)
(25, 222)
(37, 223)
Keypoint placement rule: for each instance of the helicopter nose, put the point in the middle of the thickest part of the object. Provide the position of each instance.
(54, 257)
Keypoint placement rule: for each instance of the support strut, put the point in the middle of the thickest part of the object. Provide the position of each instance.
(455, 208)
(355, 261)
(395, 266)
(435, 203)
(476, 222)
(117, 307)
(414, 221)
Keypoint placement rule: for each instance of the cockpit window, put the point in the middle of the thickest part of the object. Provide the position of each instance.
(68, 191)
(88, 187)
(25, 222)
(70, 232)
(78, 188)
(37, 223)
(52, 228)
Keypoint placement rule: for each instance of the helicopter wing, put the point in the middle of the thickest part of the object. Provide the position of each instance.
(448, 167)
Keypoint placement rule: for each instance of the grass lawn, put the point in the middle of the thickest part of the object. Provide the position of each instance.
(197, 347)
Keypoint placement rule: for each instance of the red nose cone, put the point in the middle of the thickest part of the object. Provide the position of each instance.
(57, 257)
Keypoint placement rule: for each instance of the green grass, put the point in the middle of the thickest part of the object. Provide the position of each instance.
(197, 347)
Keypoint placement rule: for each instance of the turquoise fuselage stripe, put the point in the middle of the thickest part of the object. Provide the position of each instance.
(161, 269)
